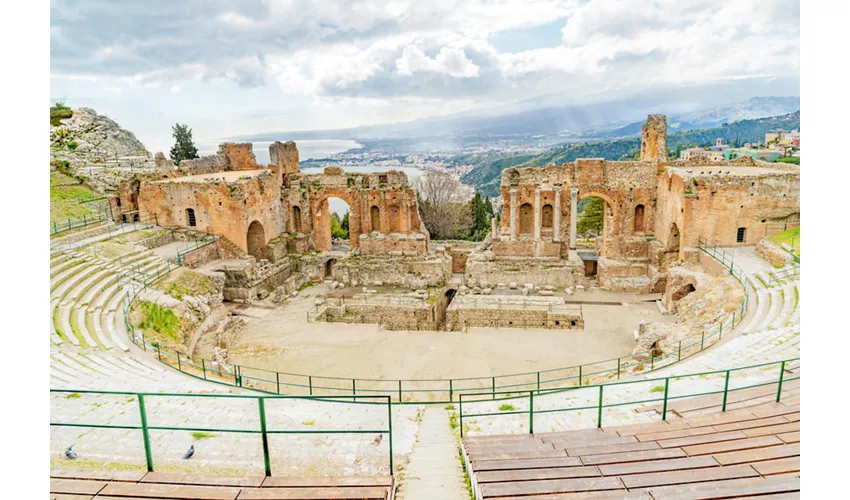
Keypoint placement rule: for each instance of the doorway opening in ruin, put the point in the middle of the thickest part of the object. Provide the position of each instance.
(440, 307)
(526, 219)
(741, 237)
(375, 218)
(256, 240)
(329, 267)
(594, 214)
(332, 224)
(640, 225)
(190, 217)
(296, 219)
(683, 292)
(673, 240)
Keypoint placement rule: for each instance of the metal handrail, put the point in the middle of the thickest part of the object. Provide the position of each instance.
(191, 247)
(665, 399)
(272, 382)
(263, 430)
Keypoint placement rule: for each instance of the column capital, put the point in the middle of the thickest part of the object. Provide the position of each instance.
(573, 191)
(513, 189)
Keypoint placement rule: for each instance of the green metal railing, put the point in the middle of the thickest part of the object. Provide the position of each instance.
(194, 245)
(782, 276)
(263, 429)
(418, 391)
(528, 396)
(58, 227)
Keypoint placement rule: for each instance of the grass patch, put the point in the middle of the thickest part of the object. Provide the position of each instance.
(160, 319)
(188, 283)
(202, 435)
(789, 236)
(449, 407)
(657, 388)
(65, 192)
(73, 395)
(465, 473)
(309, 422)
(59, 112)
(507, 407)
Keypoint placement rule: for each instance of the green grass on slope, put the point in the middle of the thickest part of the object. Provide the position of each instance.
(65, 193)
(790, 236)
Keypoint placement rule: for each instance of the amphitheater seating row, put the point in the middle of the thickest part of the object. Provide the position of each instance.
(754, 450)
(71, 484)
(87, 293)
(776, 307)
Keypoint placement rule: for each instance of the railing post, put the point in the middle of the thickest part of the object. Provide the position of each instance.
(179, 368)
(779, 386)
(354, 388)
(652, 361)
(531, 412)
(159, 353)
(702, 341)
(277, 379)
(451, 390)
(460, 413)
(310, 382)
(725, 392)
(239, 375)
(145, 436)
(720, 335)
(494, 388)
(266, 460)
(538, 381)
(399, 391)
(204, 367)
(579, 375)
(599, 415)
(680, 351)
(390, 420)
(618, 368)
(666, 389)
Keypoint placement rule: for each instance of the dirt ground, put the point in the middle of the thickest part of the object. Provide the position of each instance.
(281, 339)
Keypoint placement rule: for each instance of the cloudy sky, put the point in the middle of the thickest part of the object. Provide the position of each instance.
(231, 68)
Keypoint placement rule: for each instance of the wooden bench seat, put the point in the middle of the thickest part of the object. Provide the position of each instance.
(552, 486)
(529, 463)
(727, 489)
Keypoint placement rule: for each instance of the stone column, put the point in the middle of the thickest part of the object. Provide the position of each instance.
(573, 217)
(514, 209)
(537, 218)
(494, 229)
(556, 223)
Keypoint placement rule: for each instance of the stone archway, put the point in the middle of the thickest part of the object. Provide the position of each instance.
(610, 222)
(640, 223)
(257, 240)
(320, 218)
(673, 240)
(547, 216)
(329, 267)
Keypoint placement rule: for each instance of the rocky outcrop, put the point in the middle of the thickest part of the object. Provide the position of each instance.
(88, 139)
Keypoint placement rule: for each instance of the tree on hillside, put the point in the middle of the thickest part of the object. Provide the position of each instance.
(184, 148)
(592, 218)
(441, 205)
(344, 223)
(481, 213)
(337, 231)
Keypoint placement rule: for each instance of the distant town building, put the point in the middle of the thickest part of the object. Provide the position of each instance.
(759, 154)
(704, 154)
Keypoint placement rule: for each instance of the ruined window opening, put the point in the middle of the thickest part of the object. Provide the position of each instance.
(296, 219)
(742, 235)
(548, 214)
(256, 240)
(375, 215)
(382, 179)
(526, 218)
(673, 242)
(118, 202)
(123, 217)
(557, 323)
(639, 220)
(135, 217)
(190, 217)
(572, 323)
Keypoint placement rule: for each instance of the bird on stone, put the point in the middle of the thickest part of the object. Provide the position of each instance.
(189, 453)
(71, 453)
(378, 439)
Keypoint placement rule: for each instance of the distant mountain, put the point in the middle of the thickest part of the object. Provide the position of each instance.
(487, 177)
(756, 107)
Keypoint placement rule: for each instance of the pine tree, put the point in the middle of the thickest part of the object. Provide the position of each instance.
(480, 218)
(592, 218)
(184, 148)
(344, 223)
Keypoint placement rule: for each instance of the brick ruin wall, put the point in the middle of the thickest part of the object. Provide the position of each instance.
(492, 312)
(415, 272)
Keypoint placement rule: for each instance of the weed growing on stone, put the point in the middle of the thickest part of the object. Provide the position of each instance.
(73, 395)
(657, 388)
(507, 407)
(202, 435)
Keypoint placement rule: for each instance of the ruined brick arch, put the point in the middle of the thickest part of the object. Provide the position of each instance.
(320, 217)
(375, 218)
(526, 218)
(256, 240)
(296, 219)
(612, 215)
(640, 219)
(547, 215)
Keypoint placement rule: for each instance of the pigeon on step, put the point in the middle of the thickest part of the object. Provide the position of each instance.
(378, 439)
(70, 453)
(189, 453)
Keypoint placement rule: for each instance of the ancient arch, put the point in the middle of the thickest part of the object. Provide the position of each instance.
(296, 219)
(610, 223)
(526, 218)
(257, 240)
(321, 218)
(547, 216)
(329, 267)
(375, 218)
(640, 223)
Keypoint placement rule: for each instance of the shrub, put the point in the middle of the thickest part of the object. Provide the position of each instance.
(72, 145)
(202, 435)
(160, 319)
(507, 407)
(59, 112)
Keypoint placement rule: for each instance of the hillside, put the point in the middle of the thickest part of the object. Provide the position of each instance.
(86, 137)
(486, 178)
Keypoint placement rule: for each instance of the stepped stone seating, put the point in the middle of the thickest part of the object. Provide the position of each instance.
(95, 484)
(740, 453)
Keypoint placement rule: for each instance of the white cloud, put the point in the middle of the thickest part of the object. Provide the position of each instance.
(450, 60)
(175, 89)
